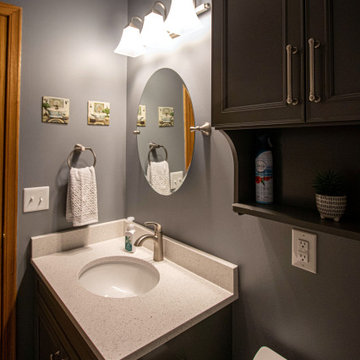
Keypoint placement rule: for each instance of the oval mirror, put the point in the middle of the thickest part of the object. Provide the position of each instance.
(165, 142)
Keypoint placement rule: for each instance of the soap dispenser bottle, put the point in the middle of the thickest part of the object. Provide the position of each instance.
(129, 234)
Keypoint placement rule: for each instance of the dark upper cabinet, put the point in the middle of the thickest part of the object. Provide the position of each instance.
(265, 72)
(249, 62)
(335, 27)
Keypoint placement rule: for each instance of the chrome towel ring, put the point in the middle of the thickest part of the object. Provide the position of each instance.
(79, 147)
(154, 146)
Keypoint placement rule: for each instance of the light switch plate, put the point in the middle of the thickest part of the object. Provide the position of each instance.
(36, 199)
(304, 250)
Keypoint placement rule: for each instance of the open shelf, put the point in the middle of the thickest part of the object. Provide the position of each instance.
(299, 217)
(299, 154)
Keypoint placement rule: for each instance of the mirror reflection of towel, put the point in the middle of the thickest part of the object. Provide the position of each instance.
(158, 176)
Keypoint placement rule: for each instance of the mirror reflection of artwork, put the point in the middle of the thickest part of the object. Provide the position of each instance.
(165, 152)
(98, 113)
(166, 116)
(55, 110)
(141, 117)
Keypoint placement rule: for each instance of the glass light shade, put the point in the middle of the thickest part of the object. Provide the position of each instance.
(182, 17)
(130, 43)
(153, 33)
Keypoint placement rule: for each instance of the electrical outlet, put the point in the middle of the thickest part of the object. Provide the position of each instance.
(304, 250)
(302, 245)
(303, 257)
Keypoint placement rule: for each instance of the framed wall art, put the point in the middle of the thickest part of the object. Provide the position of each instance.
(166, 116)
(141, 117)
(98, 113)
(55, 110)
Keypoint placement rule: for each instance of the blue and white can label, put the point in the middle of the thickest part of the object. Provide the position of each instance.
(264, 178)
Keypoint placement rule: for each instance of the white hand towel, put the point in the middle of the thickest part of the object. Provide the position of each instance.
(81, 202)
(158, 176)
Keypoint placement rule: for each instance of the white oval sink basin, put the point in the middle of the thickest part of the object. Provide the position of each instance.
(119, 277)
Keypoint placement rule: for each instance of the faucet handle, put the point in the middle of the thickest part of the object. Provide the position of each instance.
(157, 227)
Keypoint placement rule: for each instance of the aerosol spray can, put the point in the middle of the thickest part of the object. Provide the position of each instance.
(264, 170)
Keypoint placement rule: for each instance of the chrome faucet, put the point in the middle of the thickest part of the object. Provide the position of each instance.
(158, 240)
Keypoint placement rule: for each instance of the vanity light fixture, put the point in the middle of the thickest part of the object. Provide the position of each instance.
(154, 34)
(131, 43)
(158, 30)
(182, 18)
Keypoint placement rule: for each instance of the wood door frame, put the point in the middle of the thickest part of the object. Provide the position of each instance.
(11, 150)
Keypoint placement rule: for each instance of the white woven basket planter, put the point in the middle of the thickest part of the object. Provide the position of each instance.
(331, 207)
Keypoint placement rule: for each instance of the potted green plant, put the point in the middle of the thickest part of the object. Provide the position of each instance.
(330, 195)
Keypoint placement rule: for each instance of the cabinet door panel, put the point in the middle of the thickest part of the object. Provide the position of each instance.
(335, 24)
(49, 346)
(246, 49)
(61, 330)
(249, 62)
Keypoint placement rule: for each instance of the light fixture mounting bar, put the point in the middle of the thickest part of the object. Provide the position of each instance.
(202, 8)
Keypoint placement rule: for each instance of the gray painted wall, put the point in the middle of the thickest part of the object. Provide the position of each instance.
(302, 316)
(67, 51)
(298, 314)
(165, 88)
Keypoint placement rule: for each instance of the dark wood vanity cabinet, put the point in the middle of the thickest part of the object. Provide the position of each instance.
(56, 336)
(49, 346)
(285, 62)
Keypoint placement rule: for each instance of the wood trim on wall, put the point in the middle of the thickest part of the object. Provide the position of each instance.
(10, 177)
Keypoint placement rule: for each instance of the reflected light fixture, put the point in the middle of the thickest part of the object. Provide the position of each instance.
(131, 43)
(154, 34)
(182, 18)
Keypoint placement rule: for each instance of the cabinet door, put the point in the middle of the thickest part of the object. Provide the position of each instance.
(249, 63)
(335, 27)
(49, 345)
(56, 334)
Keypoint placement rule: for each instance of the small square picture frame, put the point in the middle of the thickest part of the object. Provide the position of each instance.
(166, 116)
(55, 110)
(98, 113)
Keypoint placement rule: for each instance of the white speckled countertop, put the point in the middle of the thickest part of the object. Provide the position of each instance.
(128, 328)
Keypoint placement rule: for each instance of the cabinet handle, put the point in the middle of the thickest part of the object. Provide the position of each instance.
(57, 356)
(290, 50)
(313, 44)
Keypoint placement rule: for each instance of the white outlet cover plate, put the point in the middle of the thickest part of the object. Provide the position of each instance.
(311, 239)
(36, 199)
